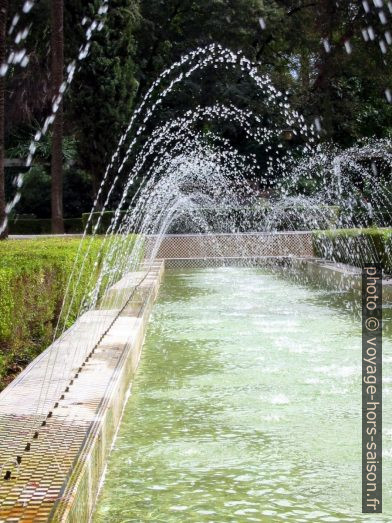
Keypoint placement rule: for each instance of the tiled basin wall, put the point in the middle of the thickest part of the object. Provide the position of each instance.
(215, 246)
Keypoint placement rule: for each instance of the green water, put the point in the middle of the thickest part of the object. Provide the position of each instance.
(246, 407)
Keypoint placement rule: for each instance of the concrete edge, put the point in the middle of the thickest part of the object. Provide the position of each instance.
(80, 490)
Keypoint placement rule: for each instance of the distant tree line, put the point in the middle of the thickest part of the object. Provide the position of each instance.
(314, 49)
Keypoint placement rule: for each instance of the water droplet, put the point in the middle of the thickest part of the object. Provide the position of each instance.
(28, 5)
(348, 47)
(371, 32)
(383, 18)
(383, 46)
(317, 124)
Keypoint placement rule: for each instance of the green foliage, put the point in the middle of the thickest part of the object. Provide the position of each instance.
(36, 190)
(102, 95)
(140, 39)
(44, 148)
(73, 225)
(171, 28)
(35, 195)
(345, 89)
(256, 218)
(356, 246)
(43, 226)
(33, 278)
(104, 223)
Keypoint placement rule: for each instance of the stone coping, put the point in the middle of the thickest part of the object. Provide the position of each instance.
(56, 475)
(338, 274)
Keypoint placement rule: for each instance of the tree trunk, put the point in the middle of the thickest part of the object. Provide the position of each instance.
(57, 12)
(326, 23)
(3, 24)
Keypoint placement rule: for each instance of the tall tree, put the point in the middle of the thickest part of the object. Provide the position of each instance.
(102, 96)
(3, 23)
(57, 40)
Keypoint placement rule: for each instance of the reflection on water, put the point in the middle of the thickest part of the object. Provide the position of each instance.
(246, 407)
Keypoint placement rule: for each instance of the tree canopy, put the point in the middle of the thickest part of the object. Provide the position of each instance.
(332, 58)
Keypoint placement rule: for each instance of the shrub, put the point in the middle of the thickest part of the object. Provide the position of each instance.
(43, 226)
(104, 223)
(300, 217)
(292, 216)
(29, 226)
(33, 278)
(356, 246)
(73, 225)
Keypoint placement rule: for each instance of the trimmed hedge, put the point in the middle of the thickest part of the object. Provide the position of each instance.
(33, 278)
(43, 226)
(104, 223)
(237, 218)
(356, 246)
(258, 218)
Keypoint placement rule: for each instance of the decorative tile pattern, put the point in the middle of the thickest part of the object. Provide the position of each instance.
(205, 246)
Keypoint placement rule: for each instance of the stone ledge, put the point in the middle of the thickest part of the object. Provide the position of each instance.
(58, 478)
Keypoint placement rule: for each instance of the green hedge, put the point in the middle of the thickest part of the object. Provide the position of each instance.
(356, 246)
(258, 218)
(43, 226)
(241, 219)
(33, 278)
(104, 223)
(73, 225)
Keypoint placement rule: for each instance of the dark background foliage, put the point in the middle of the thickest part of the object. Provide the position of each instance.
(140, 39)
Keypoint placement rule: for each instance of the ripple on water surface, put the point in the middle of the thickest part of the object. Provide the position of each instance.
(246, 408)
